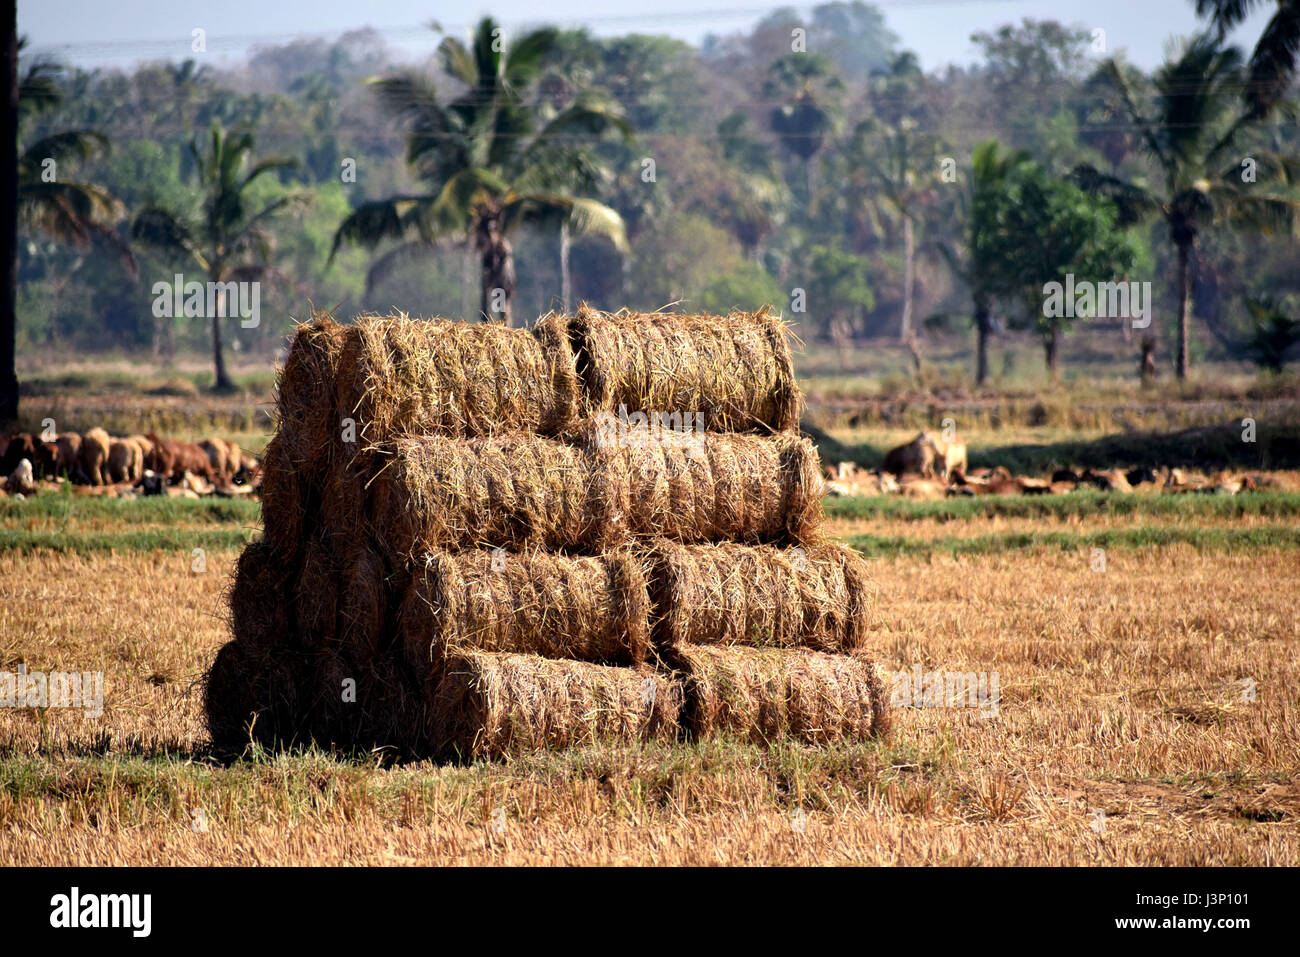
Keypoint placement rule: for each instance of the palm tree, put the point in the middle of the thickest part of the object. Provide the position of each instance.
(225, 239)
(492, 159)
(806, 119)
(900, 163)
(1193, 134)
(1273, 64)
(38, 194)
(984, 267)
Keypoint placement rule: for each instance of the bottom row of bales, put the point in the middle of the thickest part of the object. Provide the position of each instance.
(487, 653)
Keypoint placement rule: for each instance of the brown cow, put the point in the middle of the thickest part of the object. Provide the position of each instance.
(172, 458)
(916, 456)
(94, 456)
(125, 461)
(19, 446)
(67, 459)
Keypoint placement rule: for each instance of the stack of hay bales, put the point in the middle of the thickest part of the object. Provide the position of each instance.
(476, 542)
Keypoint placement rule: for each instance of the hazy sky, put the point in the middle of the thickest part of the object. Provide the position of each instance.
(95, 32)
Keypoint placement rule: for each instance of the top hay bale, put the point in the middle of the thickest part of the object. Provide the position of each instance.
(735, 370)
(401, 376)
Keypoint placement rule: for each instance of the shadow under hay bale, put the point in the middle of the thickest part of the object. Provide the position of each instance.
(537, 603)
(763, 694)
(253, 696)
(489, 705)
(727, 594)
(736, 370)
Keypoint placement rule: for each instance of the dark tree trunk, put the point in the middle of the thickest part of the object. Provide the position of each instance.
(9, 215)
(497, 265)
(222, 383)
(1052, 352)
(1184, 291)
(983, 328)
(1148, 364)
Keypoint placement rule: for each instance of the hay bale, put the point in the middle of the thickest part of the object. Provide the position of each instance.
(522, 492)
(726, 594)
(537, 603)
(763, 694)
(363, 605)
(736, 370)
(316, 594)
(252, 695)
(515, 491)
(711, 487)
(259, 598)
(401, 376)
(488, 705)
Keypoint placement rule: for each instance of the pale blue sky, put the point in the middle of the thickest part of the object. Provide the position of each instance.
(95, 32)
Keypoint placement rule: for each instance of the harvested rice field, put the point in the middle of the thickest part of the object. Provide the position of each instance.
(1146, 713)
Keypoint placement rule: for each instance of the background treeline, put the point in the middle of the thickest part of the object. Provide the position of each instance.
(808, 163)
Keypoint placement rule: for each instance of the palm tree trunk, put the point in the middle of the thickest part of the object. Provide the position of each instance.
(222, 383)
(9, 216)
(909, 256)
(1182, 361)
(983, 326)
(497, 267)
(566, 285)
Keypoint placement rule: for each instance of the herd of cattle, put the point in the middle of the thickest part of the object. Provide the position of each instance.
(930, 466)
(934, 466)
(98, 463)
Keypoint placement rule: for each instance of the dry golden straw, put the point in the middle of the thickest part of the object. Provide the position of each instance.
(488, 705)
(815, 597)
(734, 370)
(763, 694)
(555, 606)
(401, 376)
(710, 487)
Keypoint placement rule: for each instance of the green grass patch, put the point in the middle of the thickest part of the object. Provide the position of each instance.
(1082, 504)
(154, 510)
(141, 540)
(1206, 539)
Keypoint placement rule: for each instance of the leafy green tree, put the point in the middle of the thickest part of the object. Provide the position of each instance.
(981, 264)
(1194, 135)
(492, 159)
(225, 237)
(40, 195)
(808, 84)
(1043, 230)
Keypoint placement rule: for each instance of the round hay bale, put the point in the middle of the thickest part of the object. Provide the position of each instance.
(364, 603)
(401, 376)
(260, 598)
(763, 694)
(488, 705)
(514, 491)
(727, 594)
(710, 487)
(316, 595)
(554, 606)
(735, 370)
(252, 695)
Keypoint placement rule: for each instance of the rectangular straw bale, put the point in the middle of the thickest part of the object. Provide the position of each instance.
(706, 487)
(734, 370)
(260, 598)
(727, 594)
(401, 376)
(555, 606)
(764, 693)
(488, 705)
